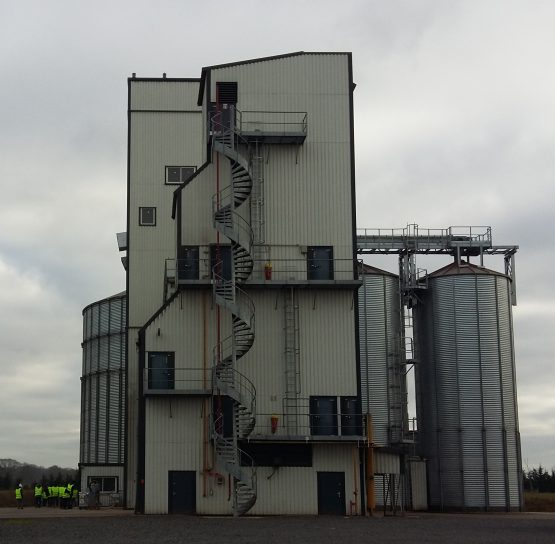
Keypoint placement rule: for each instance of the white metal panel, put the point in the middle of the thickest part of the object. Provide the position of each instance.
(174, 441)
(418, 485)
(157, 140)
(164, 95)
(327, 342)
(311, 181)
(132, 416)
(386, 463)
(197, 226)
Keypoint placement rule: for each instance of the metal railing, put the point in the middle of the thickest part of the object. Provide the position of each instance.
(276, 270)
(303, 270)
(238, 229)
(276, 122)
(177, 379)
(413, 237)
(309, 424)
(231, 382)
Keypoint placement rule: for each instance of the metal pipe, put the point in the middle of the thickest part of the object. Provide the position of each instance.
(370, 491)
(355, 492)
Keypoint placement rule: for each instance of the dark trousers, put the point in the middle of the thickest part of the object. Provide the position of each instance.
(38, 501)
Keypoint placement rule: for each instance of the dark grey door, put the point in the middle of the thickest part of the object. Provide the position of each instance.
(331, 493)
(182, 492)
(161, 370)
(223, 415)
(320, 262)
(351, 423)
(187, 263)
(323, 416)
(220, 261)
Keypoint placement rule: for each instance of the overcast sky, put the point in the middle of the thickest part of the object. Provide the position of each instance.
(454, 119)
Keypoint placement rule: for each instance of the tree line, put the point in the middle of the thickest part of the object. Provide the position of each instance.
(10, 477)
(539, 479)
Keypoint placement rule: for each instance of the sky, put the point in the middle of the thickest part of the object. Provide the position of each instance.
(454, 125)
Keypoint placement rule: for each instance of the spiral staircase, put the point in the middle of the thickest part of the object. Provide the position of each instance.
(227, 294)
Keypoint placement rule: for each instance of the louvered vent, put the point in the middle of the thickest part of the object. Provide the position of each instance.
(226, 92)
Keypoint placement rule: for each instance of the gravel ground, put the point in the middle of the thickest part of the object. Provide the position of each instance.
(125, 528)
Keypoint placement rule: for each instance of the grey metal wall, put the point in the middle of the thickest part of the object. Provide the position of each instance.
(466, 396)
(379, 328)
(103, 382)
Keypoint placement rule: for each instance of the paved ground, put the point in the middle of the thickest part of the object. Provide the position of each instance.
(49, 526)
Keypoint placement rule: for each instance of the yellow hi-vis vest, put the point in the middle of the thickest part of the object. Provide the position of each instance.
(18, 493)
(53, 490)
(61, 491)
(38, 491)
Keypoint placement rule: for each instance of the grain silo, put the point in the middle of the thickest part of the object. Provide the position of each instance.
(103, 394)
(466, 394)
(382, 376)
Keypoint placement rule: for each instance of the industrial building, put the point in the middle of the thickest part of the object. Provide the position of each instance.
(265, 366)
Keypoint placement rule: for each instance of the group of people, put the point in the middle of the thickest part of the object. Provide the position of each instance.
(62, 496)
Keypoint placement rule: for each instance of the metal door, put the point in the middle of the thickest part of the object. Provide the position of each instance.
(350, 417)
(223, 415)
(323, 416)
(320, 262)
(187, 263)
(331, 493)
(182, 492)
(220, 261)
(161, 370)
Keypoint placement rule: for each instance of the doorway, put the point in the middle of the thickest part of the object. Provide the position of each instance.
(331, 493)
(182, 492)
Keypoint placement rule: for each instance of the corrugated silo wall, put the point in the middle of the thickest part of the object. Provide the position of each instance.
(466, 394)
(379, 327)
(103, 382)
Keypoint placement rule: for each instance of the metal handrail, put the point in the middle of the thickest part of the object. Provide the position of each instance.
(308, 424)
(239, 382)
(414, 237)
(274, 270)
(243, 458)
(301, 122)
(178, 379)
(240, 226)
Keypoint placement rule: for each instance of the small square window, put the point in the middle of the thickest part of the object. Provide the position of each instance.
(147, 216)
(176, 175)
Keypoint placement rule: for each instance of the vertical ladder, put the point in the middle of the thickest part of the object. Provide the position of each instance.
(292, 356)
(257, 195)
(395, 404)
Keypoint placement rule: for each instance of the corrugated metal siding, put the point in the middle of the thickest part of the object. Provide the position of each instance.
(197, 227)
(173, 442)
(132, 403)
(294, 490)
(327, 342)
(467, 396)
(102, 408)
(311, 181)
(418, 485)
(379, 333)
(164, 95)
(157, 140)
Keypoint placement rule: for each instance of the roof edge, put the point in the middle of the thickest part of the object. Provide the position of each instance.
(206, 69)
